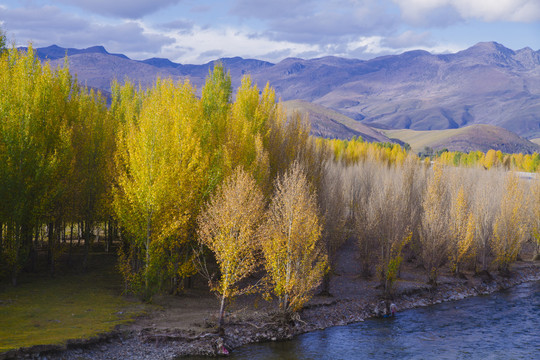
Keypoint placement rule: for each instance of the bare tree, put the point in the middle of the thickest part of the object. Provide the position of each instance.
(433, 234)
(485, 203)
(332, 204)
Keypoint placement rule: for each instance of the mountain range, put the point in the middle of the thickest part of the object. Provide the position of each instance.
(484, 84)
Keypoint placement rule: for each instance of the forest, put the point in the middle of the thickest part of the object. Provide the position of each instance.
(224, 185)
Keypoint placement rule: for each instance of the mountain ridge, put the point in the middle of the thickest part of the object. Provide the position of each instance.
(484, 84)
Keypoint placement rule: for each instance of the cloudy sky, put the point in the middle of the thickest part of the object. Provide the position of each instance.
(197, 31)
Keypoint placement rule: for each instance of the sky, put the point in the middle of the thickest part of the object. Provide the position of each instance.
(198, 31)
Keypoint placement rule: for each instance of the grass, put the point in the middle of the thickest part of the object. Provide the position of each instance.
(420, 139)
(44, 310)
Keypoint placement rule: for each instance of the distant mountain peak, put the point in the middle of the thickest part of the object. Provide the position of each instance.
(489, 47)
(97, 49)
(160, 62)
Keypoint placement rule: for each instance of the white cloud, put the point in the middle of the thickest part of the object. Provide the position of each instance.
(44, 26)
(408, 38)
(417, 11)
(206, 43)
(369, 47)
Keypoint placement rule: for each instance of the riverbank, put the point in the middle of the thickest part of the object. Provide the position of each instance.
(183, 326)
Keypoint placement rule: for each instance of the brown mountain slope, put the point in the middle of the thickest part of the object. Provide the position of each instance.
(474, 137)
(331, 124)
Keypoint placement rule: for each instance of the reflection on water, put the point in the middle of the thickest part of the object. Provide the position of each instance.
(504, 325)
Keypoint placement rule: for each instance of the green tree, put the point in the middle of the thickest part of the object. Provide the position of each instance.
(35, 105)
(93, 143)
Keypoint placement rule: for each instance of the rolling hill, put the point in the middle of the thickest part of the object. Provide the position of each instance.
(466, 139)
(331, 124)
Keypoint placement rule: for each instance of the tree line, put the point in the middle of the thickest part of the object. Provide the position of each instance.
(229, 187)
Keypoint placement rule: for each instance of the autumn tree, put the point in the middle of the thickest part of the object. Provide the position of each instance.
(511, 224)
(462, 229)
(332, 204)
(247, 131)
(397, 206)
(228, 227)
(93, 143)
(485, 204)
(160, 174)
(294, 257)
(35, 105)
(434, 239)
(215, 106)
(360, 181)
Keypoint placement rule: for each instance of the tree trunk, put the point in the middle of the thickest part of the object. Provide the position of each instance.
(69, 260)
(484, 257)
(107, 235)
(33, 248)
(50, 240)
(221, 311)
(86, 244)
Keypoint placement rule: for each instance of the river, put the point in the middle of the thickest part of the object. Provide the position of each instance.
(504, 325)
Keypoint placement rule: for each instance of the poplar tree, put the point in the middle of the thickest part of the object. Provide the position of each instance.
(93, 143)
(511, 224)
(35, 106)
(228, 227)
(433, 233)
(462, 230)
(294, 256)
(160, 174)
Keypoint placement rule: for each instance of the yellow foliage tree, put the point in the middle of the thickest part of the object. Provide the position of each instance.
(511, 225)
(463, 228)
(433, 233)
(36, 106)
(293, 254)
(160, 177)
(228, 227)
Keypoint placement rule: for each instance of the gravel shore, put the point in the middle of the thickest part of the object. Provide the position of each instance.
(345, 307)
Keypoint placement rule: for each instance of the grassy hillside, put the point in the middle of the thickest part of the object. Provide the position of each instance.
(331, 124)
(470, 138)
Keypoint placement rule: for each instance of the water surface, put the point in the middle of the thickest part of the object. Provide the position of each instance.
(504, 325)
